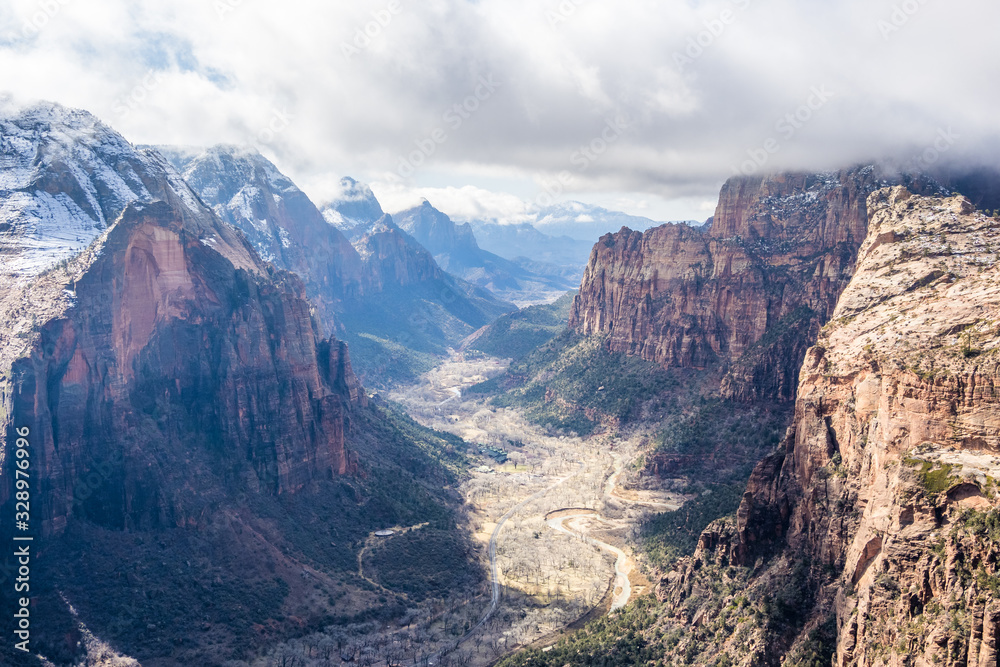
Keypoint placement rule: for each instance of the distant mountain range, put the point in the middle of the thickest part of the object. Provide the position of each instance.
(524, 245)
(456, 249)
(379, 290)
(586, 222)
(559, 240)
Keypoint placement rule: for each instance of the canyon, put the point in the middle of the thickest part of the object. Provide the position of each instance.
(181, 340)
(749, 293)
(882, 500)
(370, 282)
(189, 418)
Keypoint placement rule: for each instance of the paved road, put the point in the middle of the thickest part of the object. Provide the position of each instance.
(457, 393)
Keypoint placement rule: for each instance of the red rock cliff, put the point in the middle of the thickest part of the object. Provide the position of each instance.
(186, 366)
(882, 512)
(750, 292)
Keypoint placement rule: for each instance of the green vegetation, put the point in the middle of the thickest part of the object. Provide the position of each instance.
(217, 578)
(380, 361)
(611, 641)
(713, 444)
(719, 440)
(759, 616)
(984, 529)
(672, 535)
(968, 350)
(794, 326)
(584, 384)
(425, 563)
(130, 584)
(516, 335)
(935, 478)
(428, 454)
(818, 648)
(404, 334)
(497, 454)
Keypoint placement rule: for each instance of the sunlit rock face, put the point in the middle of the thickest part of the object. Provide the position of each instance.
(749, 293)
(883, 498)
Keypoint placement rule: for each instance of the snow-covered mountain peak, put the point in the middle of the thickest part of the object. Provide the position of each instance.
(243, 164)
(353, 205)
(64, 178)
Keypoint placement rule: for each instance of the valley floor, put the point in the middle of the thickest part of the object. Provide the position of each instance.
(555, 524)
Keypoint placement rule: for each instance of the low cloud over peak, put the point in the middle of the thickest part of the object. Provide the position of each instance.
(644, 99)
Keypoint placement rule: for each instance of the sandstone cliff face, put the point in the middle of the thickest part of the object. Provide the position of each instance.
(750, 292)
(884, 498)
(280, 221)
(172, 365)
(164, 365)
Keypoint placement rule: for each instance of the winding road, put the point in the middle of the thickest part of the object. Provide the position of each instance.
(622, 591)
(574, 522)
(456, 393)
(623, 588)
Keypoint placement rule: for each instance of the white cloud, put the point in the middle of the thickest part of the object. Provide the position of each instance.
(225, 78)
(465, 203)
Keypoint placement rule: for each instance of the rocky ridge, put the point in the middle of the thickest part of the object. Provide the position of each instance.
(457, 251)
(110, 348)
(874, 533)
(749, 293)
(524, 245)
(247, 191)
(371, 283)
(65, 177)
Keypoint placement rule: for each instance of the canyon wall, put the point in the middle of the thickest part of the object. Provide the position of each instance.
(881, 508)
(749, 293)
(181, 366)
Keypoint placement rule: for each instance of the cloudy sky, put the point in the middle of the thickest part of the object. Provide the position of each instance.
(491, 107)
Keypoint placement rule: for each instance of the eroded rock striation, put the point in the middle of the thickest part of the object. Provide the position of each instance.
(167, 362)
(878, 518)
(749, 293)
